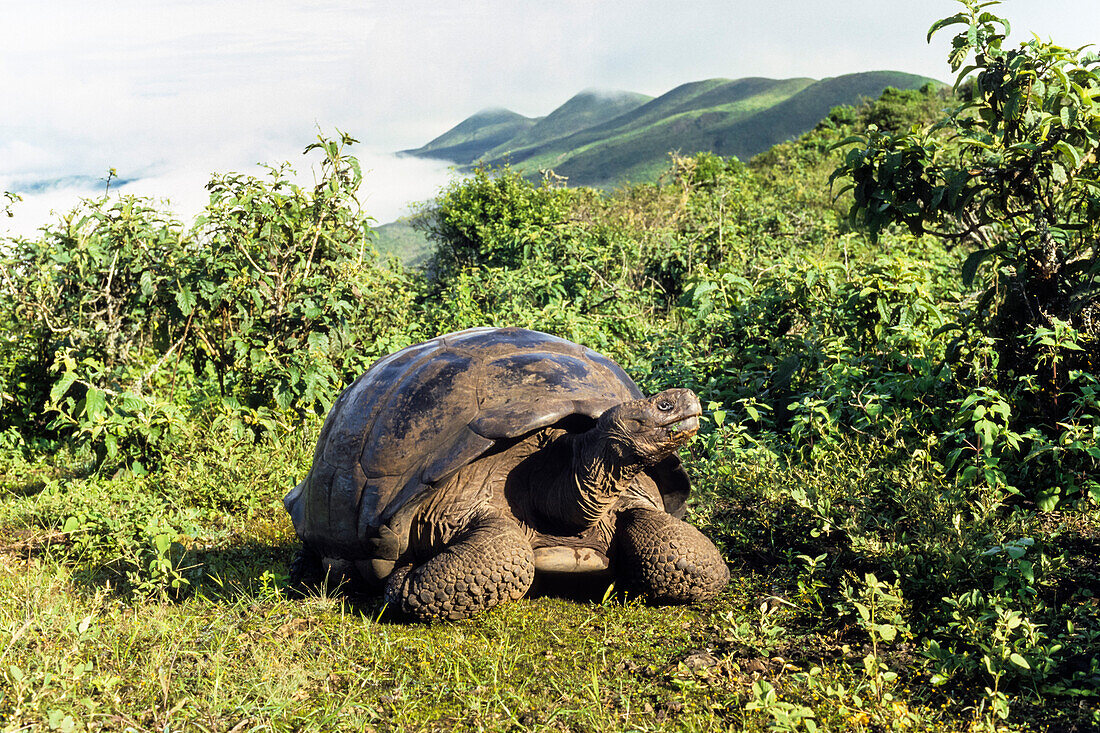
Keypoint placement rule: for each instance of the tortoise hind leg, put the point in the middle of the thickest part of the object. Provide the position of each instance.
(667, 559)
(487, 563)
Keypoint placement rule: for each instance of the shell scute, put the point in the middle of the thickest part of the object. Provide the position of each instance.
(351, 417)
(423, 409)
(530, 390)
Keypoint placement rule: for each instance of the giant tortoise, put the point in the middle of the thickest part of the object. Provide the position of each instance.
(454, 470)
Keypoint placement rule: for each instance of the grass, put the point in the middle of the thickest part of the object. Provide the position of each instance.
(399, 239)
(245, 657)
(81, 649)
(252, 657)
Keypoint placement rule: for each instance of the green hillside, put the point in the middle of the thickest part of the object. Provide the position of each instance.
(801, 112)
(741, 117)
(636, 146)
(401, 240)
(474, 136)
(584, 111)
(736, 96)
(617, 149)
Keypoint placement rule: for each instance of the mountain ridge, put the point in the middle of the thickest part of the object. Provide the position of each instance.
(630, 138)
(475, 135)
(586, 109)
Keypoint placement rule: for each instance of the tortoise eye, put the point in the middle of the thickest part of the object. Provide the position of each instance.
(664, 406)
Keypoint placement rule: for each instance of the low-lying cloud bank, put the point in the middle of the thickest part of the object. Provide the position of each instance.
(391, 184)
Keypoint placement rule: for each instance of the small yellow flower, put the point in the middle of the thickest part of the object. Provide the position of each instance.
(860, 718)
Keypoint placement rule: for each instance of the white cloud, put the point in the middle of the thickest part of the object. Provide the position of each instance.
(390, 185)
(167, 92)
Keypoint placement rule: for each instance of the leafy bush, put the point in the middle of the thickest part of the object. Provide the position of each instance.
(1011, 173)
(96, 290)
(286, 296)
(121, 318)
(494, 219)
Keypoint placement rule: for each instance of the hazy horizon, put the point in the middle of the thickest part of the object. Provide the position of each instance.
(169, 93)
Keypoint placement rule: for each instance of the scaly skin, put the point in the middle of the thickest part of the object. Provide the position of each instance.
(668, 560)
(569, 484)
(486, 564)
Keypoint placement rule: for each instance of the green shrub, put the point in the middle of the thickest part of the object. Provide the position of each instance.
(286, 296)
(1011, 173)
(98, 288)
(124, 325)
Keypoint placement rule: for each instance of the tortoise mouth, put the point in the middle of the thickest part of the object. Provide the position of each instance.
(683, 417)
(682, 428)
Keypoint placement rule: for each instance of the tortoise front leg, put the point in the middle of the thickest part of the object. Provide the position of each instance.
(487, 563)
(666, 559)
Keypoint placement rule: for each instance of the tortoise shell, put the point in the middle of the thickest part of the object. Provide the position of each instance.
(419, 415)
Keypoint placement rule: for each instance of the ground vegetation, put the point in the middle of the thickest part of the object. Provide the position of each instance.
(891, 322)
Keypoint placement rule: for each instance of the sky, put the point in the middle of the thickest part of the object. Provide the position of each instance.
(167, 93)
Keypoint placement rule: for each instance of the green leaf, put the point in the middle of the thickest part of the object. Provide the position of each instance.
(888, 632)
(1070, 154)
(962, 76)
(851, 139)
(162, 542)
(61, 386)
(1018, 661)
(944, 22)
(973, 262)
(95, 404)
(185, 299)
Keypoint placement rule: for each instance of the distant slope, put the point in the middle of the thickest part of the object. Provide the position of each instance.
(583, 141)
(590, 108)
(758, 123)
(399, 239)
(636, 144)
(739, 96)
(801, 112)
(475, 135)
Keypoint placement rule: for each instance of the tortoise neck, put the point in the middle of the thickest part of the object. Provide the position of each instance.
(598, 475)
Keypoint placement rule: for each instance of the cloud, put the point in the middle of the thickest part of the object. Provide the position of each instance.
(168, 92)
(44, 207)
(390, 185)
(133, 80)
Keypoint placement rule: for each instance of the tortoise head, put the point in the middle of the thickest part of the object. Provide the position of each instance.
(650, 429)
